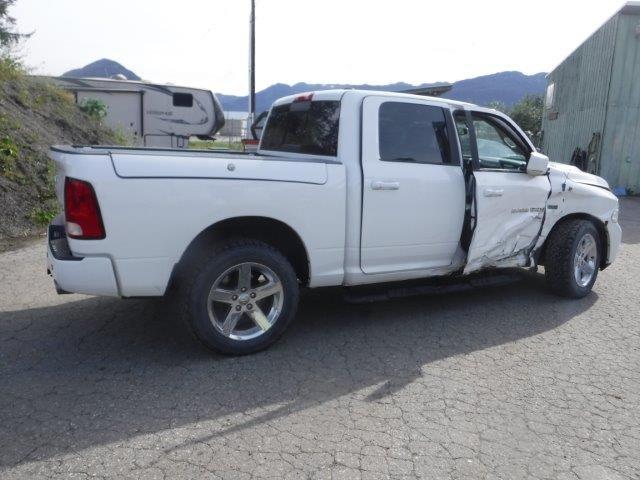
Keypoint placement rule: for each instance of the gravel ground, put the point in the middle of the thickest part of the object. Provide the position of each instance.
(504, 383)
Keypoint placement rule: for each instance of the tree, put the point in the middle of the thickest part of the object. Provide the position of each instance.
(94, 108)
(528, 114)
(498, 105)
(8, 35)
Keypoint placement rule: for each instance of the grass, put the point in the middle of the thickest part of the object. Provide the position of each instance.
(215, 144)
(10, 69)
(42, 216)
(9, 159)
(27, 105)
(122, 137)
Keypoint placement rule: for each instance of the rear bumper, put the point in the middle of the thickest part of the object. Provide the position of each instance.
(88, 275)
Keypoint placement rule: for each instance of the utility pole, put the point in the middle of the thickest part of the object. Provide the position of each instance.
(252, 65)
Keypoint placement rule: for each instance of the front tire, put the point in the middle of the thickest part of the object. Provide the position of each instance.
(572, 258)
(242, 298)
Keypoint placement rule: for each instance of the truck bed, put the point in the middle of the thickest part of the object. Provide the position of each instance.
(155, 202)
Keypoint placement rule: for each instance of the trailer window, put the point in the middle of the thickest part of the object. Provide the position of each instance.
(309, 127)
(182, 100)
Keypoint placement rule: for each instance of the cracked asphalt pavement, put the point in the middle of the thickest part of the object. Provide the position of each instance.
(509, 383)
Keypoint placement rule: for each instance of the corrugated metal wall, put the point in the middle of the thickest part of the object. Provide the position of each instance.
(620, 155)
(580, 97)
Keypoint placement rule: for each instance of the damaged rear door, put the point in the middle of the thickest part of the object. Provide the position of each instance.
(508, 205)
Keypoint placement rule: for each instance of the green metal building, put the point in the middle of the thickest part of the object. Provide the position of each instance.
(592, 104)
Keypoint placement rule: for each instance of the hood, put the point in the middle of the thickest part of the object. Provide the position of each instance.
(574, 174)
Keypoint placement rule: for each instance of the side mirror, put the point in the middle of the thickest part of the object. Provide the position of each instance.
(538, 164)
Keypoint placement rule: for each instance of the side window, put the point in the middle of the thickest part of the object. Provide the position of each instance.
(411, 132)
(182, 100)
(496, 146)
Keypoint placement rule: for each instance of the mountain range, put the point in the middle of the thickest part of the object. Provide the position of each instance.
(103, 68)
(505, 87)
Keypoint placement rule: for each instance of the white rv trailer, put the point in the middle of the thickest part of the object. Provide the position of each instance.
(161, 116)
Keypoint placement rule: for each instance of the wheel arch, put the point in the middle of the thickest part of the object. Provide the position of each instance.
(269, 230)
(597, 223)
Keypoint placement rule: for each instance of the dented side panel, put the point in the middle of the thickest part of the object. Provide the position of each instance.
(570, 196)
(510, 210)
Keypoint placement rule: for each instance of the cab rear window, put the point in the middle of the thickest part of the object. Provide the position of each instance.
(309, 127)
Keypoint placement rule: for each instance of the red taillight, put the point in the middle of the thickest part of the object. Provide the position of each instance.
(82, 212)
(303, 98)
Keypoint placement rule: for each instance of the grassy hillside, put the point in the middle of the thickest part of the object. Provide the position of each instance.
(33, 116)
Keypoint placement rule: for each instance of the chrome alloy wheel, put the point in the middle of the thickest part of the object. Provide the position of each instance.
(245, 301)
(586, 260)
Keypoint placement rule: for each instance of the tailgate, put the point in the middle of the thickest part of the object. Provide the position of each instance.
(83, 163)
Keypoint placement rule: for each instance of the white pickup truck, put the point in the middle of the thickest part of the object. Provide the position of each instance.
(347, 188)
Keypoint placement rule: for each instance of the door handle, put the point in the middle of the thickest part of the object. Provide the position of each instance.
(379, 185)
(493, 192)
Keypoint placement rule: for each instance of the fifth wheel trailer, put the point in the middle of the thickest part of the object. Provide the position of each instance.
(152, 115)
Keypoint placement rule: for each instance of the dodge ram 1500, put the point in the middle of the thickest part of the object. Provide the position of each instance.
(347, 188)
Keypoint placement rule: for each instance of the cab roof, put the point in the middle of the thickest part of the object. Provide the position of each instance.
(338, 94)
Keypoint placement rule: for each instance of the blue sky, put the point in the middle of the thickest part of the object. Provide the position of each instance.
(204, 43)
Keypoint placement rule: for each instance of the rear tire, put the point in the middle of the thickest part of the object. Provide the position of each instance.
(241, 298)
(572, 258)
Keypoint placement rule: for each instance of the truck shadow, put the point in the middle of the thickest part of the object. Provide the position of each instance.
(95, 371)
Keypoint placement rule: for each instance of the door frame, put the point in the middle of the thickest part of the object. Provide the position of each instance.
(456, 162)
(503, 122)
(522, 141)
